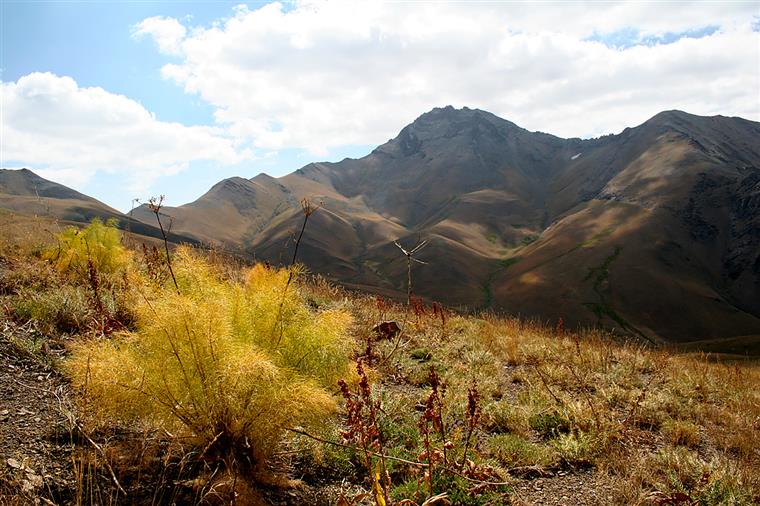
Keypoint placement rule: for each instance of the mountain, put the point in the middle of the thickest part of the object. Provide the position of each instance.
(231, 212)
(24, 192)
(654, 232)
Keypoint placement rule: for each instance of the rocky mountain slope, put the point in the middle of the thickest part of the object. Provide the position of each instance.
(654, 232)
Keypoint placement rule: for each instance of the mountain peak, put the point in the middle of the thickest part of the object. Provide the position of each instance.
(452, 114)
(673, 115)
(234, 184)
(19, 173)
(445, 124)
(24, 182)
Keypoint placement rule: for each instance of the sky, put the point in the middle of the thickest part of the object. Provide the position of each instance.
(132, 99)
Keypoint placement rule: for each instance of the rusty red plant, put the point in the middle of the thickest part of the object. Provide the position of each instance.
(363, 429)
(473, 416)
(418, 306)
(432, 417)
(439, 311)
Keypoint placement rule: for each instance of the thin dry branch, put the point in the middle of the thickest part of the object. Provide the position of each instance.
(409, 259)
(155, 206)
(351, 447)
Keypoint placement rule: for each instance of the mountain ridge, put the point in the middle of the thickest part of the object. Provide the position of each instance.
(23, 191)
(653, 231)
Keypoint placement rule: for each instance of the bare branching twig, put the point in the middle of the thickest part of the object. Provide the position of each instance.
(409, 259)
(155, 206)
(307, 208)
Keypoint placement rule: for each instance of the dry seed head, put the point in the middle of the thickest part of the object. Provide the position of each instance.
(473, 408)
(308, 208)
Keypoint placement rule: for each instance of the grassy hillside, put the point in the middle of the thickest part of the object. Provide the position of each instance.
(462, 409)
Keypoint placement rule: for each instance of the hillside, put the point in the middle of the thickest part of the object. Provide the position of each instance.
(442, 409)
(25, 193)
(653, 232)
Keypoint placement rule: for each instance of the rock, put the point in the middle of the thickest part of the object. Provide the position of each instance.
(15, 464)
(386, 330)
(31, 483)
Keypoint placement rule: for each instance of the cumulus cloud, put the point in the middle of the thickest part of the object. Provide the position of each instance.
(167, 32)
(69, 133)
(318, 75)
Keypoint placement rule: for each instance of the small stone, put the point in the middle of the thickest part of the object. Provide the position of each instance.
(35, 479)
(386, 329)
(40, 378)
(15, 464)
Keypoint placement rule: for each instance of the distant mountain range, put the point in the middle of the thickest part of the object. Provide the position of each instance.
(654, 232)
(25, 192)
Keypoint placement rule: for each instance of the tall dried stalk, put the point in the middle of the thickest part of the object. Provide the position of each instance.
(155, 206)
(473, 417)
(409, 259)
(307, 208)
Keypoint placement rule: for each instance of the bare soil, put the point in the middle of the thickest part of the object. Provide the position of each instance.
(35, 444)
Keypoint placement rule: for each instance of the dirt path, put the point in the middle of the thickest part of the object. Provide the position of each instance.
(578, 489)
(35, 461)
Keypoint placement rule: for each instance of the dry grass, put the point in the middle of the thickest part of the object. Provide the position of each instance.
(653, 425)
(650, 422)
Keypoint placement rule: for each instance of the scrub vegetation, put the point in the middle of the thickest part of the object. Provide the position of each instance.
(251, 384)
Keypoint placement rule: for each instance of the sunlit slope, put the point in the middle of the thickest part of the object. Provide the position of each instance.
(653, 231)
(663, 250)
(25, 193)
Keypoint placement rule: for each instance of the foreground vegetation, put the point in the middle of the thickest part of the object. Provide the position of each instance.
(216, 382)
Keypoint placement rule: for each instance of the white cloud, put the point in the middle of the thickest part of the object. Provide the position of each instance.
(167, 32)
(70, 133)
(326, 74)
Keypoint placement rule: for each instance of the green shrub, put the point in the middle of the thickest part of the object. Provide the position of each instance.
(228, 364)
(421, 354)
(549, 425)
(503, 417)
(512, 450)
(576, 447)
(459, 491)
(63, 309)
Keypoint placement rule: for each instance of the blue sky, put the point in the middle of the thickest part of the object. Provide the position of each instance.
(93, 43)
(133, 99)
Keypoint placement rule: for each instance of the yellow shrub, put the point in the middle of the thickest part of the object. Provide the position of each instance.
(98, 242)
(215, 362)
